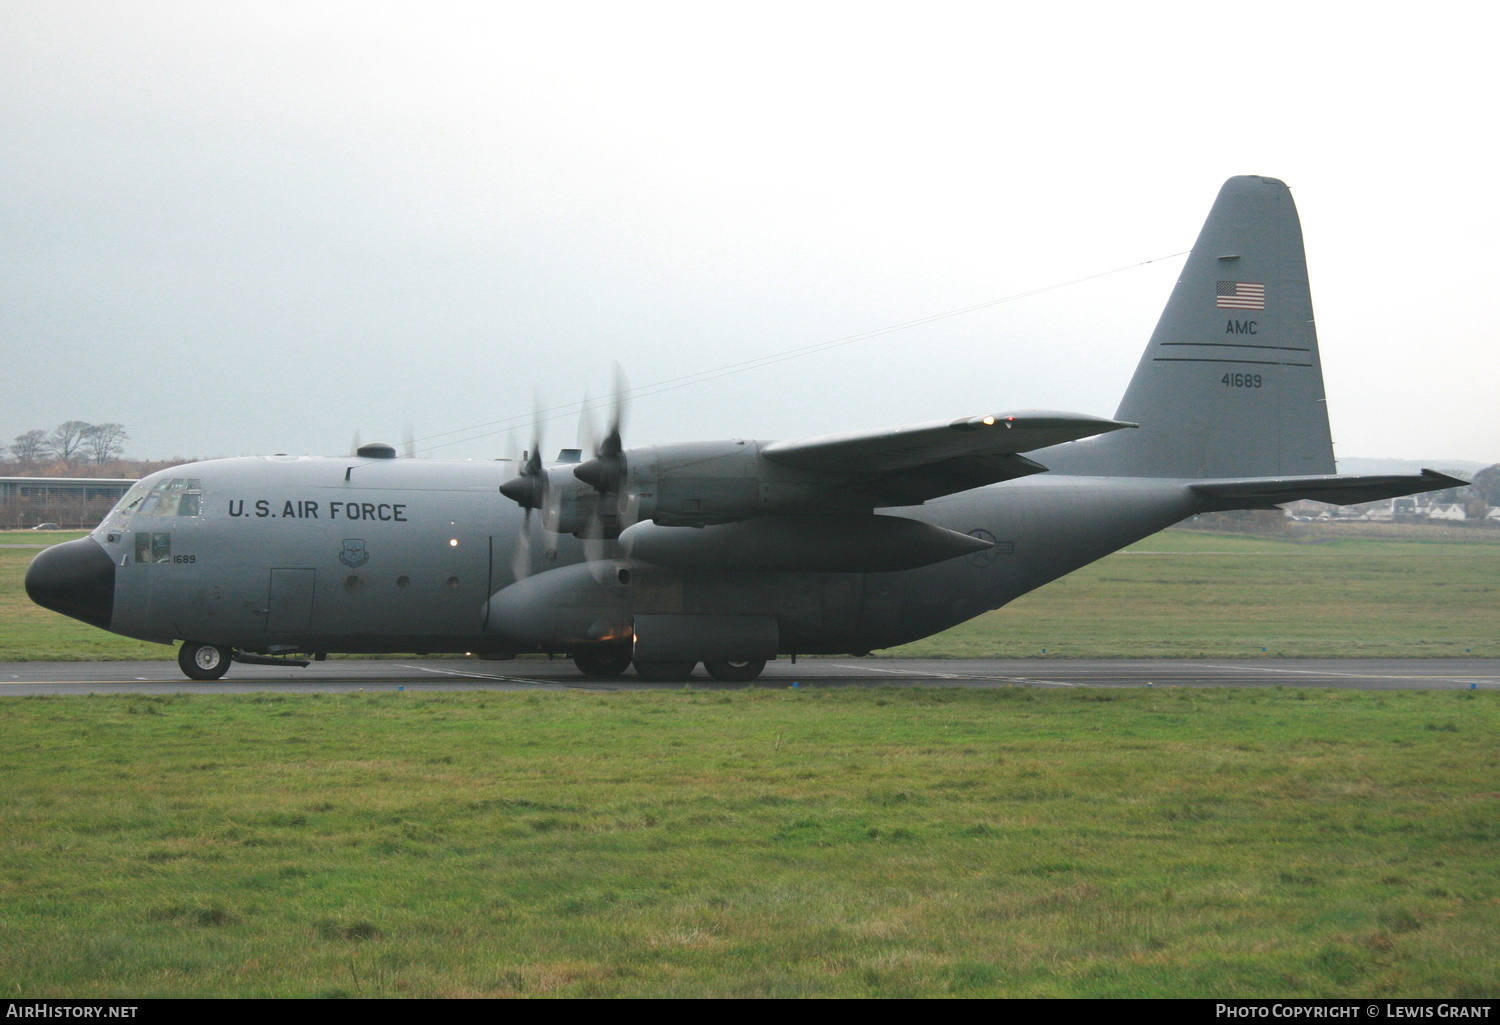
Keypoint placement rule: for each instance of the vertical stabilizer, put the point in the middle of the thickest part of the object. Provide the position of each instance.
(1231, 384)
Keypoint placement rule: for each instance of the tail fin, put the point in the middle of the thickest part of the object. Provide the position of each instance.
(1230, 384)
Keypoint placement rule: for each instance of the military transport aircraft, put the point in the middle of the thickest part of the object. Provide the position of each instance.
(734, 552)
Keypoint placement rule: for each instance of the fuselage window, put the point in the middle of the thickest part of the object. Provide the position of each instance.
(153, 547)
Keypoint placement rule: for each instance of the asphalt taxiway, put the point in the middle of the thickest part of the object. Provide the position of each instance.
(342, 675)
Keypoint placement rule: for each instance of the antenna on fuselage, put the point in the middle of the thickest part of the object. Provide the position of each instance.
(374, 450)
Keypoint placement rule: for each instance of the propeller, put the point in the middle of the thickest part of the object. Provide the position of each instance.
(559, 500)
(529, 490)
(588, 436)
(607, 472)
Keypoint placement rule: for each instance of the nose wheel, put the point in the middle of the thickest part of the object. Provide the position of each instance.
(204, 661)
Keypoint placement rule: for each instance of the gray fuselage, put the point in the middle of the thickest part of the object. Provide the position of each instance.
(281, 554)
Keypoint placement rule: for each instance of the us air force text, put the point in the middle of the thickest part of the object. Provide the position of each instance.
(303, 509)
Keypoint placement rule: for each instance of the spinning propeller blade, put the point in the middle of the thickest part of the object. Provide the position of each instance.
(528, 489)
(607, 472)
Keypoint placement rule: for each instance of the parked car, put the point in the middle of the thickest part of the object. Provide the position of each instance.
(46, 526)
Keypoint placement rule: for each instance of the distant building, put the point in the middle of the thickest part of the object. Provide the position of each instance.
(85, 488)
(1452, 511)
(1411, 509)
(79, 502)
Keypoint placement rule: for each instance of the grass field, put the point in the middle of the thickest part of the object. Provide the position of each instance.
(887, 842)
(900, 842)
(1177, 594)
(1194, 595)
(30, 633)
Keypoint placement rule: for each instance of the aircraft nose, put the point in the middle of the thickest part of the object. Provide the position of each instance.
(76, 578)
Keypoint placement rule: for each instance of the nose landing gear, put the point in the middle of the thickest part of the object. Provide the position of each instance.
(204, 661)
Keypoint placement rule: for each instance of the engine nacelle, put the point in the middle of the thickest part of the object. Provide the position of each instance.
(819, 544)
(570, 504)
(702, 483)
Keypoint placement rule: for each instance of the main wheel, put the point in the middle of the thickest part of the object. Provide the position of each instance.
(664, 672)
(203, 661)
(736, 670)
(605, 665)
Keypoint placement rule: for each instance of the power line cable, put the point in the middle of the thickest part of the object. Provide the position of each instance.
(673, 383)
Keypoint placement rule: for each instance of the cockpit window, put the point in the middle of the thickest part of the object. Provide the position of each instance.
(171, 496)
(133, 498)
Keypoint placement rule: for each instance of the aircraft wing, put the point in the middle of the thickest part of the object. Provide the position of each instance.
(1335, 489)
(908, 465)
(901, 448)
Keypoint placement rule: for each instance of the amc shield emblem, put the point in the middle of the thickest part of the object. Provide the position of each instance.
(354, 554)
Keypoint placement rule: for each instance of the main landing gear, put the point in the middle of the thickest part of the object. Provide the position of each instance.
(605, 666)
(664, 672)
(611, 666)
(204, 661)
(735, 671)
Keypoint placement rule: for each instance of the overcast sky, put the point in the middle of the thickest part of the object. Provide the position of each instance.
(258, 227)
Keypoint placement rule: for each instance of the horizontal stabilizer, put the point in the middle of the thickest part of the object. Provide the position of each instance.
(1335, 489)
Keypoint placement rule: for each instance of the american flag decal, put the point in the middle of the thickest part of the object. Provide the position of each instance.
(1240, 295)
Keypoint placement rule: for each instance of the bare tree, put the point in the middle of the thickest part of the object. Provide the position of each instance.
(30, 447)
(1487, 483)
(67, 438)
(104, 441)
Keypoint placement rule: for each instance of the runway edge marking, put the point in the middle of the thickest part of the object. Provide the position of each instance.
(958, 676)
(1351, 676)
